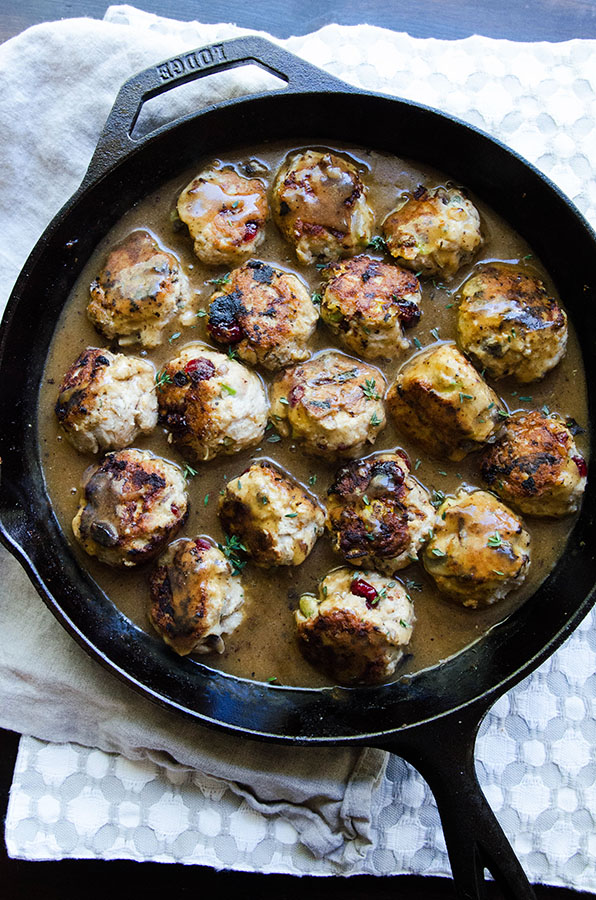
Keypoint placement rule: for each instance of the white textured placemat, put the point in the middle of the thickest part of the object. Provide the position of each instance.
(536, 752)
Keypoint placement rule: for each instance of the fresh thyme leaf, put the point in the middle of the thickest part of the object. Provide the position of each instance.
(274, 438)
(417, 343)
(284, 400)
(435, 333)
(495, 540)
(316, 298)
(232, 550)
(374, 420)
(223, 279)
(161, 379)
(312, 480)
(229, 390)
(174, 337)
(436, 552)
(378, 243)
(291, 515)
(188, 471)
(438, 497)
(231, 352)
(369, 389)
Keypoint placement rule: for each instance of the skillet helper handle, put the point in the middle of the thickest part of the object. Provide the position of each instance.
(443, 752)
(116, 138)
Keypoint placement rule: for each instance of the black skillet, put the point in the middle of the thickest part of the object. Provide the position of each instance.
(432, 718)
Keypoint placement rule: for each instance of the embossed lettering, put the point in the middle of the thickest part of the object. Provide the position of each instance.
(205, 58)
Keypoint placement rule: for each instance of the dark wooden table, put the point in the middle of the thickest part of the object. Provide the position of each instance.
(520, 20)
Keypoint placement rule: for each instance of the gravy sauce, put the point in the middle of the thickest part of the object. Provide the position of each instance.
(264, 647)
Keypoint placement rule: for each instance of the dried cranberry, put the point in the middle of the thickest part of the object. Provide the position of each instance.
(175, 509)
(226, 333)
(581, 465)
(363, 589)
(202, 544)
(296, 394)
(250, 230)
(409, 313)
(199, 369)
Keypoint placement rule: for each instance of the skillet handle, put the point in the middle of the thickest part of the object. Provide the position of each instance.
(116, 139)
(443, 753)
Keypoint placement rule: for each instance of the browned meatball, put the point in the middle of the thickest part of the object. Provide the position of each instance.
(509, 325)
(106, 400)
(225, 213)
(273, 516)
(434, 232)
(140, 290)
(332, 404)
(319, 205)
(266, 313)
(357, 627)
(536, 466)
(377, 514)
(480, 550)
(441, 401)
(368, 303)
(132, 504)
(195, 599)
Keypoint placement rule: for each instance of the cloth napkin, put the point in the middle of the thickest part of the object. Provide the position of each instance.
(153, 786)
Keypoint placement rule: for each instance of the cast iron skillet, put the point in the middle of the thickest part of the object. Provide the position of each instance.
(430, 719)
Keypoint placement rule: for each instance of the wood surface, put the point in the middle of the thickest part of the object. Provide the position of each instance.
(533, 20)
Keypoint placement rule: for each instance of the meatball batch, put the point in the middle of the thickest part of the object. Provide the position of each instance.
(367, 304)
(210, 404)
(535, 466)
(225, 214)
(480, 550)
(433, 231)
(377, 514)
(274, 517)
(132, 504)
(265, 313)
(332, 404)
(106, 400)
(139, 292)
(195, 599)
(358, 626)
(320, 206)
(443, 403)
(509, 325)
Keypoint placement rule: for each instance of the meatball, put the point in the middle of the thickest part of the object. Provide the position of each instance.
(358, 626)
(480, 550)
(433, 232)
(225, 213)
(508, 324)
(195, 599)
(441, 401)
(267, 314)
(139, 292)
(377, 514)
(132, 504)
(210, 404)
(331, 404)
(368, 303)
(319, 205)
(106, 400)
(536, 466)
(275, 518)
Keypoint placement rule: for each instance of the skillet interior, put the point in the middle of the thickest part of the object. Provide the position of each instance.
(533, 207)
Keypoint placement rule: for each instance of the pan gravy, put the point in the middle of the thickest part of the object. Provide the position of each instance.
(264, 647)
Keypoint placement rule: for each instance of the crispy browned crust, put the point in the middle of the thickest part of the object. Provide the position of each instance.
(180, 622)
(77, 383)
(234, 186)
(530, 456)
(186, 401)
(350, 284)
(535, 309)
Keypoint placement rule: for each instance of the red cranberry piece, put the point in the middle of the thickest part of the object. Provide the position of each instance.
(202, 544)
(199, 369)
(580, 462)
(250, 231)
(363, 589)
(175, 509)
(296, 394)
(226, 334)
(409, 313)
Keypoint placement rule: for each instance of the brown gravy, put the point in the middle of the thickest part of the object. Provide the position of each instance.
(264, 646)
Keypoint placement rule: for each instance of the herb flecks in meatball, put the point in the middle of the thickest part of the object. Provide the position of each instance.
(433, 231)
(320, 206)
(368, 303)
(332, 404)
(225, 214)
(132, 504)
(443, 403)
(195, 599)
(358, 626)
(377, 514)
(509, 325)
(535, 466)
(266, 313)
(480, 550)
(275, 518)
(139, 292)
(106, 400)
(210, 404)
